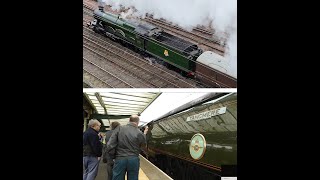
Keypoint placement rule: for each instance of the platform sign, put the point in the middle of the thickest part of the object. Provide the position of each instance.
(207, 114)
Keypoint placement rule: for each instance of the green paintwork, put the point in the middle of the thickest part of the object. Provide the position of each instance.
(173, 134)
(116, 25)
(174, 57)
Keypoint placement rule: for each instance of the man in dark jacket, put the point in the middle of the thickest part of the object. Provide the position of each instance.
(106, 156)
(127, 140)
(92, 150)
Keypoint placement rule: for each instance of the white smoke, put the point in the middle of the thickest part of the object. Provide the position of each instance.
(231, 54)
(221, 15)
(125, 14)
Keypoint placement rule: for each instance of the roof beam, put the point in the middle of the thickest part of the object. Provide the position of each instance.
(89, 101)
(101, 102)
(134, 95)
(128, 99)
(105, 116)
(154, 98)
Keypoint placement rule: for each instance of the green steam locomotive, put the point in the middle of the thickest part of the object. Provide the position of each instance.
(174, 52)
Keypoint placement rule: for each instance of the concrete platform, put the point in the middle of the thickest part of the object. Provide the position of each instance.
(147, 171)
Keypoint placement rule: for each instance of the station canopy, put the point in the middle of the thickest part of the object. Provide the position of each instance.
(111, 106)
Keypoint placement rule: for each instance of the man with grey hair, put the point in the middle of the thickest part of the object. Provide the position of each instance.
(92, 150)
(127, 141)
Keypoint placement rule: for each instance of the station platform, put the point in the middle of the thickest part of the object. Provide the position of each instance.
(147, 171)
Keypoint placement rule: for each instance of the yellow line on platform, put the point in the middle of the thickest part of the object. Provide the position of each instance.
(142, 175)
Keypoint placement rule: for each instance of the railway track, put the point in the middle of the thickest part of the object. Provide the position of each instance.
(155, 64)
(104, 76)
(113, 69)
(87, 11)
(125, 58)
(204, 31)
(93, 81)
(174, 78)
(199, 32)
(124, 71)
(147, 79)
(86, 5)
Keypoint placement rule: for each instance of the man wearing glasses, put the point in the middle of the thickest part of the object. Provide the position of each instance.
(92, 150)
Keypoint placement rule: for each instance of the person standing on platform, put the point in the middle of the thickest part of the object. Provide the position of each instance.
(106, 156)
(127, 141)
(92, 150)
